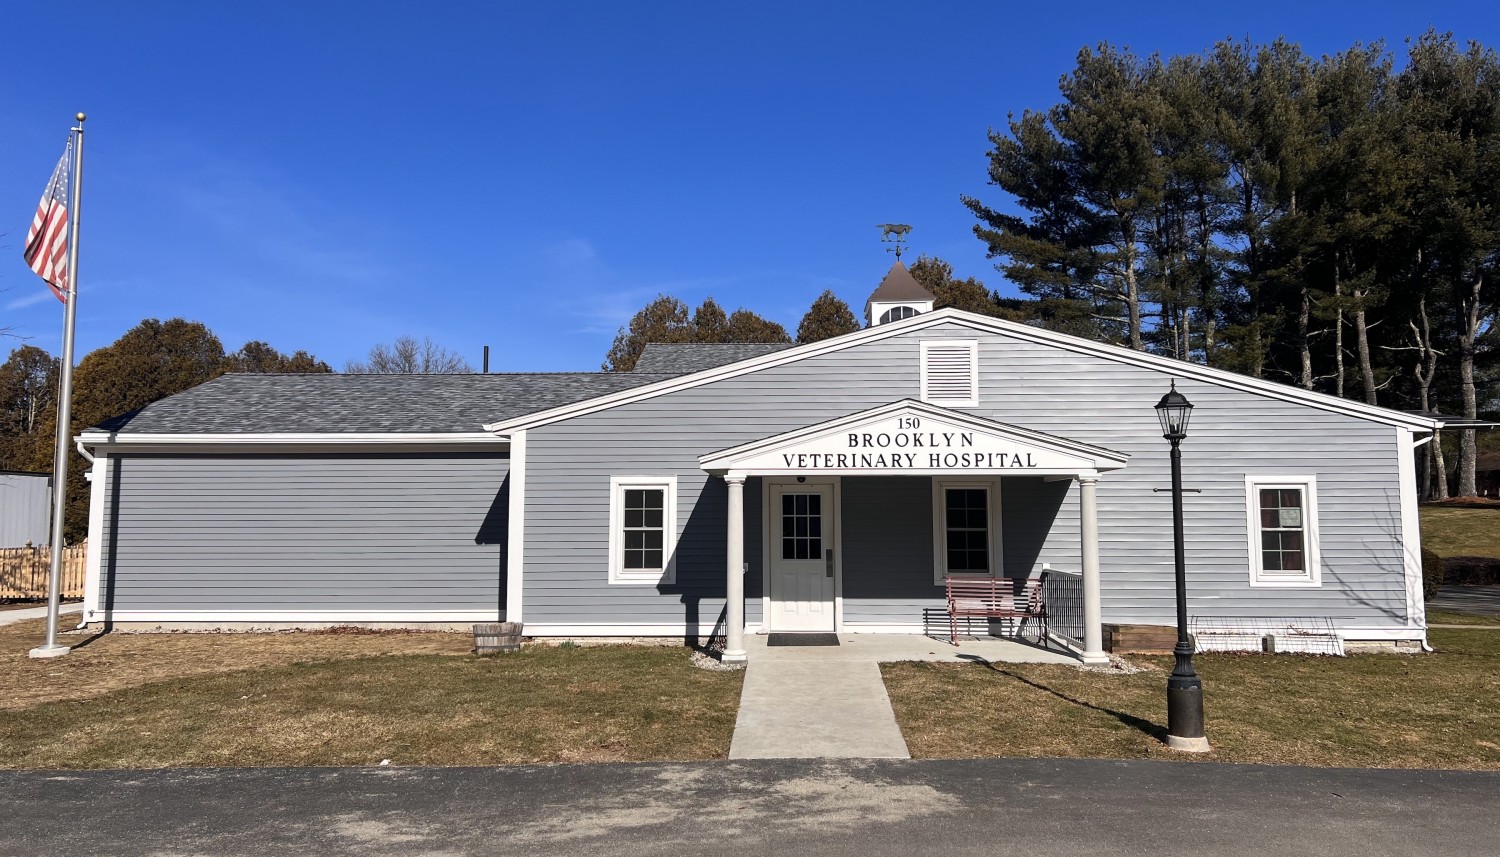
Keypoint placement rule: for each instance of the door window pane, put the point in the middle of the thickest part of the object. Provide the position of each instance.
(801, 526)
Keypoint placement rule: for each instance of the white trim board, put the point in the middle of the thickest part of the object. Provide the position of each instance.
(281, 441)
(1411, 530)
(1168, 366)
(621, 629)
(93, 576)
(292, 616)
(515, 530)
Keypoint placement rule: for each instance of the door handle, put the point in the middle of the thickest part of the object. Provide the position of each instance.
(828, 554)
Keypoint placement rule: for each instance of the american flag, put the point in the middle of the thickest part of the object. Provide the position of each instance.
(47, 242)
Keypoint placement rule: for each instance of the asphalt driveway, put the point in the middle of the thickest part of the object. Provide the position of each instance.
(1484, 600)
(865, 808)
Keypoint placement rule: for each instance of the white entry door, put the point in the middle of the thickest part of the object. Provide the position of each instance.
(802, 560)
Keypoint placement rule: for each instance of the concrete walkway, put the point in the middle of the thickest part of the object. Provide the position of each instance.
(11, 617)
(829, 702)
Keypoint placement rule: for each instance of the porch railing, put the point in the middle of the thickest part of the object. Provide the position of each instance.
(1063, 593)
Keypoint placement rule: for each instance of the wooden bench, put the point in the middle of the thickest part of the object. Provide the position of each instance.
(995, 598)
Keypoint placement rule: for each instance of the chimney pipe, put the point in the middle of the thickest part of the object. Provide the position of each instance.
(486, 360)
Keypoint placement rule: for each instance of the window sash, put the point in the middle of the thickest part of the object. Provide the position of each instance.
(966, 531)
(1282, 514)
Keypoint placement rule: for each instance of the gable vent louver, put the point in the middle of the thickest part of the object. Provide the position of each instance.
(950, 373)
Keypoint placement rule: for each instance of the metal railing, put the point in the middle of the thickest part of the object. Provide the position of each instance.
(1063, 594)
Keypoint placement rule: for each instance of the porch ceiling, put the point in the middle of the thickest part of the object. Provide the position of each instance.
(908, 437)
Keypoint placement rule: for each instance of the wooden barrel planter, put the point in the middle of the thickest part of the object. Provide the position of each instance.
(497, 637)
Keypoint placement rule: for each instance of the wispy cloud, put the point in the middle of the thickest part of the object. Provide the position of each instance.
(41, 294)
(600, 299)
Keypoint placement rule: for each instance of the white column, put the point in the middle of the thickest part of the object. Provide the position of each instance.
(1088, 532)
(734, 569)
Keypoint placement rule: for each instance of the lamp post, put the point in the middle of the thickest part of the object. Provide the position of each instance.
(1184, 689)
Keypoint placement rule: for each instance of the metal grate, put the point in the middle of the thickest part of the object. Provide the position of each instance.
(1302, 635)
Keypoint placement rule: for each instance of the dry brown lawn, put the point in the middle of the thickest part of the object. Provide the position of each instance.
(1461, 531)
(1456, 617)
(99, 664)
(169, 700)
(1439, 710)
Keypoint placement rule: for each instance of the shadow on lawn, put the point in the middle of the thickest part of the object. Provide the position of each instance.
(1137, 723)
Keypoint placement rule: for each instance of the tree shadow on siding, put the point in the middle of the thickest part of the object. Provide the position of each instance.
(1140, 724)
(700, 566)
(1390, 527)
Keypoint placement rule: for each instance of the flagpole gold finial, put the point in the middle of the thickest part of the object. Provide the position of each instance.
(81, 117)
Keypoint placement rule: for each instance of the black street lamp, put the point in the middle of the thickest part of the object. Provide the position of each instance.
(1184, 689)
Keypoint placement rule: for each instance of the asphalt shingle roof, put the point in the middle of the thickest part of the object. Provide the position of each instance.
(682, 358)
(264, 403)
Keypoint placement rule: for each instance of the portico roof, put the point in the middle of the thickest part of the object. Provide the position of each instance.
(916, 438)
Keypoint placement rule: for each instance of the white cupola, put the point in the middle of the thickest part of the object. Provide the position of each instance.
(899, 296)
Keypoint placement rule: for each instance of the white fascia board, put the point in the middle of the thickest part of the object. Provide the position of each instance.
(1116, 353)
(1102, 459)
(111, 440)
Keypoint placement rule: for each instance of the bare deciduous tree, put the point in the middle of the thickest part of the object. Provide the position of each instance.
(408, 356)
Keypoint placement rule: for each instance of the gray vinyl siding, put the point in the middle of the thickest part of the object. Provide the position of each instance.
(305, 532)
(887, 541)
(1043, 387)
(25, 501)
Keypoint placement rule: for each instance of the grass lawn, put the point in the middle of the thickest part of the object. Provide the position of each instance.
(1461, 531)
(331, 699)
(1373, 710)
(1455, 617)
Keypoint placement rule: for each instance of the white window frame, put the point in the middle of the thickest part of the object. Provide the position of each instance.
(618, 574)
(973, 345)
(940, 527)
(1312, 573)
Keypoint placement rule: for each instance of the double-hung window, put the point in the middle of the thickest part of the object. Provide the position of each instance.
(1283, 525)
(965, 529)
(642, 529)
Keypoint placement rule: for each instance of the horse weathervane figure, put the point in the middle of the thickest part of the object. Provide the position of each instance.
(895, 235)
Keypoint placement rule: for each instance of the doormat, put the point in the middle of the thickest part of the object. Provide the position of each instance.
(802, 640)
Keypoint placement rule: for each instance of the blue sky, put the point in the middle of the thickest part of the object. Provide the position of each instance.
(330, 175)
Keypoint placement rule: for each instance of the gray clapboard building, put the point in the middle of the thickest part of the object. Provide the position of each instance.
(823, 487)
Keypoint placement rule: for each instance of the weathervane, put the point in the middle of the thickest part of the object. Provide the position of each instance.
(894, 234)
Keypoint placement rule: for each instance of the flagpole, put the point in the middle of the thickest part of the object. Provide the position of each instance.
(51, 648)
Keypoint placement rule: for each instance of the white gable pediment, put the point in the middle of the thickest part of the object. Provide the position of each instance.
(910, 437)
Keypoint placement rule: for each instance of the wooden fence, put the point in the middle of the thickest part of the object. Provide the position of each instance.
(24, 571)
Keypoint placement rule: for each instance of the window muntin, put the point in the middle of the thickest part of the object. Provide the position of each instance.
(1282, 548)
(967, 537)
(801, 526)
(1282, 517)
(642, 529)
